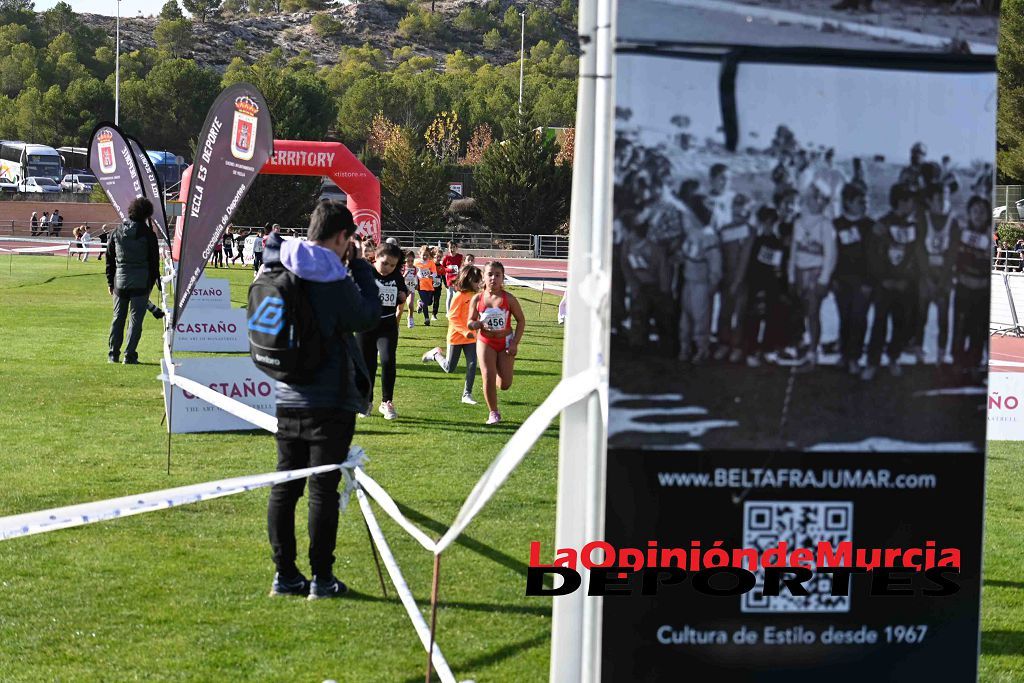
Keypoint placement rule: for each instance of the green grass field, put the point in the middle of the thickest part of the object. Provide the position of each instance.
(181, 595)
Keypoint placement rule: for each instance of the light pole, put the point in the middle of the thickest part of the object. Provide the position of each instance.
(522, 58)
(117, 66)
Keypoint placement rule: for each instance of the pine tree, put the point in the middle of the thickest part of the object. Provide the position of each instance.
(415, 189)
(519, 185)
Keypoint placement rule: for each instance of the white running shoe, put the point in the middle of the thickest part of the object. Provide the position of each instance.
(434, 318)
(468, 400)
(412, 323)
(388, 410)
(431, 355)
(494, 417)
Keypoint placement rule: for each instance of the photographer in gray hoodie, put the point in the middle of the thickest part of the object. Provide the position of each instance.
(133, 267)
(316, 421)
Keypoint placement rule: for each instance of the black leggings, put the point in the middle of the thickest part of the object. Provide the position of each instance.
(382, 340)
(450, 362)
(426, 297)
(437, 299)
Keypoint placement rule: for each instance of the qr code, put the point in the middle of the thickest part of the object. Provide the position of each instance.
(801, 524)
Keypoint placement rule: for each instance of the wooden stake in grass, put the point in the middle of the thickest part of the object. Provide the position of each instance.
(433, 614)
(376, 560)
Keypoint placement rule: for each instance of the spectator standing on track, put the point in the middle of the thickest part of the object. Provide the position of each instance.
(56, 223)
(218, 254)
(257, 250)
(103, 241)
(382, 340)
(461, 340)
(44, 224)
(451, 264)
(133, 267)
(34, 224)
(316, 420)
(85, 238)
(227, 246)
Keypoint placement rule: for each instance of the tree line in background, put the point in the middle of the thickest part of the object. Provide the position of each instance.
(1010, 116)
(57, 83)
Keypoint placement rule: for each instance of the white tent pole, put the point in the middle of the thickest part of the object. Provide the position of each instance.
(578, 354)
(601, 226)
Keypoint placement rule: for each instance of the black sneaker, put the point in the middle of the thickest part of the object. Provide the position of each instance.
(326, 587)
(111, 358)
(157, 312)
(130, 361)
(298, 585)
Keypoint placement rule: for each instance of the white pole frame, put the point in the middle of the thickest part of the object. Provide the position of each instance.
(576, 622)
(522, 57)
(117, 67)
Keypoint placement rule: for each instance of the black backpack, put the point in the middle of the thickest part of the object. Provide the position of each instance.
(284, 339)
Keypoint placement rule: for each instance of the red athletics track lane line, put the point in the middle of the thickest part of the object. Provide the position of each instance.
(1007, 348)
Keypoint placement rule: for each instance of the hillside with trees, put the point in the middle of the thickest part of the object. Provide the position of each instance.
(327, 73)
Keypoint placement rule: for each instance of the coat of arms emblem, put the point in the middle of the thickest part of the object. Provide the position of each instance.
(108, 161)
(243, 132)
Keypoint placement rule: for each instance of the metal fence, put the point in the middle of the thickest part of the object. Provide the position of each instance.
(540, 246)
(1007, 196)
(1008, 261)
(551, 246)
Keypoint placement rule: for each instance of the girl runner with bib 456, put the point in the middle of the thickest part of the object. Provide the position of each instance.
(491, 312)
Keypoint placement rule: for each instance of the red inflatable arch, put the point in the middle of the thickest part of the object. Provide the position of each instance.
(330, 159)
(333, 160)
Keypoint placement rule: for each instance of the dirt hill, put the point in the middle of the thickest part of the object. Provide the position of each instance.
(375, 23)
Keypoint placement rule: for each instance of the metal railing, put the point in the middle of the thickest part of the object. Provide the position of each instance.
(551, 246)
(540, 246)
(1008, 261)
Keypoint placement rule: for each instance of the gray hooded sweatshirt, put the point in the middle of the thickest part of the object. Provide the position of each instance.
(344, 300)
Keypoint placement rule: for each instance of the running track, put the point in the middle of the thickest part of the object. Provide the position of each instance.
(524, 269)
(1006, 354)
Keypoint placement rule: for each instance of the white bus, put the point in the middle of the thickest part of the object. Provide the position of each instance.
(20, 161)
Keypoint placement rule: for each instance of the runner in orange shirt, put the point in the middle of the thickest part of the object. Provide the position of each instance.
(461, 340)
(426, 271)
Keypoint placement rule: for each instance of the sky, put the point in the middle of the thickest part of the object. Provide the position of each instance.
(129, 8)
(857, 111)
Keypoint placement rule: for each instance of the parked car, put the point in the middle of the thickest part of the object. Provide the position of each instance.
(40, 185)
(78, 182)
(8, 186)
